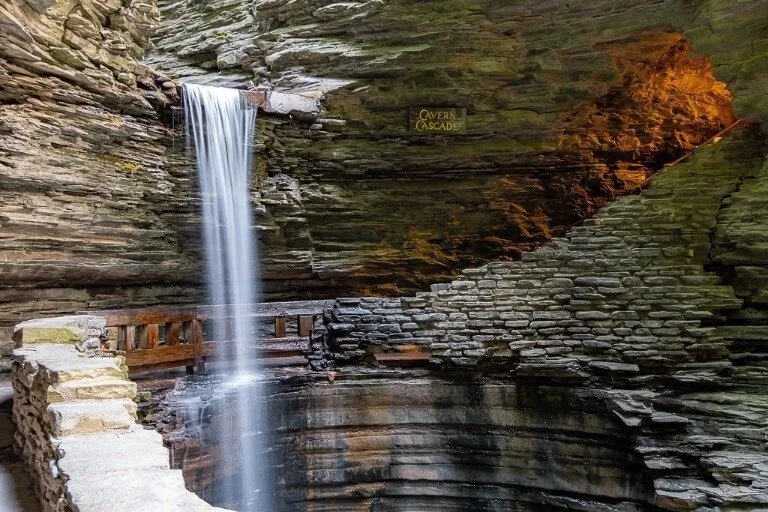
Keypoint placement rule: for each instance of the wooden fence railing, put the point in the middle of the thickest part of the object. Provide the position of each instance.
(164, 338)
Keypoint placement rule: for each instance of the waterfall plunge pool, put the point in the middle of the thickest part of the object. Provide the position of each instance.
(405, 440)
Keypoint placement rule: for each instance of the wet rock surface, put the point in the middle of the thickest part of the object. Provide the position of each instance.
(614, 368)
(643, 296)
(388, 440)
(90, 216)
(100, 209)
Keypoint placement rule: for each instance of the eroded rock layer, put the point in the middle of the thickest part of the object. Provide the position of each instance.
(643, 296)
(396, 441)
(90, 217)
(99, 202)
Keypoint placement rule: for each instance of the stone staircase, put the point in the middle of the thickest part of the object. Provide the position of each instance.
(77, 429)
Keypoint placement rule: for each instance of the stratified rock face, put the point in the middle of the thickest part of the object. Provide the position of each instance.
(99, 209)
(89, 216)
(662, 291)
(569, 104)
(396, 442)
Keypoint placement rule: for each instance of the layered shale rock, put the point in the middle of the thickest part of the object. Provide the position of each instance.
(568, 106)
(90, 217)
(393, 441)
(341, 195)
(643, 296)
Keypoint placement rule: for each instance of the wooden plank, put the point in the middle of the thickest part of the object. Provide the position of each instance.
(402, 357)
(160, 355)
(171, 365)
(280, 326)
(160, 315)
(173, 333)
(144, 317)
(305, 324)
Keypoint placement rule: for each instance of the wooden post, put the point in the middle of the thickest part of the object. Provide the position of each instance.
(148, 336)
(197, 341)
(280, 326)
(305, 325)
(172, 333)
(153, 335)
(126, 339)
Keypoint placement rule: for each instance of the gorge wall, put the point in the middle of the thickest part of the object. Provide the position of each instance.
(648, 295)
(569, 104)
(394, 441)
(90, 216)
(623, 362)
(100, 207)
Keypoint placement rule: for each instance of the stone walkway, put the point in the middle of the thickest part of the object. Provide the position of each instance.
(16, 493)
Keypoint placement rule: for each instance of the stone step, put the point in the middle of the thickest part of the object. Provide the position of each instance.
(284, 361)
(91, 456)
(63, 364)
(82, 417)
(128, 491)
(98, 388)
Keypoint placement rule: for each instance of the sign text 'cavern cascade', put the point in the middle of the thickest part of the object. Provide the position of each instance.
(444, 120)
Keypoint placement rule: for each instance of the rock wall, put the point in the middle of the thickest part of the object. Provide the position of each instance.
(630, 298)
(90, 216)
(630, 284)
(76, 428)
(392, 441)
(99, 203)
(564, 101)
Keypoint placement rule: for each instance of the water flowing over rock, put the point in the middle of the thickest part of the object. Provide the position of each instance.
(92, 214)
(220, 125)
(115, 221)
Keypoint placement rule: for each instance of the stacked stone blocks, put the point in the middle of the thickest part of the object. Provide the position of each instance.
(76, 425)
(625, 292)
(628, 301)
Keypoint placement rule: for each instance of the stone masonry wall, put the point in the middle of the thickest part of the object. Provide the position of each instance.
(625, 291)
(76, 428)
(633, 300)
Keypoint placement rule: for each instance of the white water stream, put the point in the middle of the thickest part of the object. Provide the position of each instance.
(221, 128)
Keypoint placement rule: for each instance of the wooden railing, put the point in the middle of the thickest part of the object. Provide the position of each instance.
(159, 338)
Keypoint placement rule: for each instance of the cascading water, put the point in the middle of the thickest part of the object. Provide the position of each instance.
(221, 128)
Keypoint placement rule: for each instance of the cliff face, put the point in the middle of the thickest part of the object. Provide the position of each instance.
(661, 292)
(397, 441)
(89, 215)
(569, 104)
(621, 366)
(99, 202)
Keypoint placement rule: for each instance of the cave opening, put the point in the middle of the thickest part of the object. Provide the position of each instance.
(666, 101)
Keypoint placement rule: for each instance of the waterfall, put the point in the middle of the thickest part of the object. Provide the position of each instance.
(221, 128)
